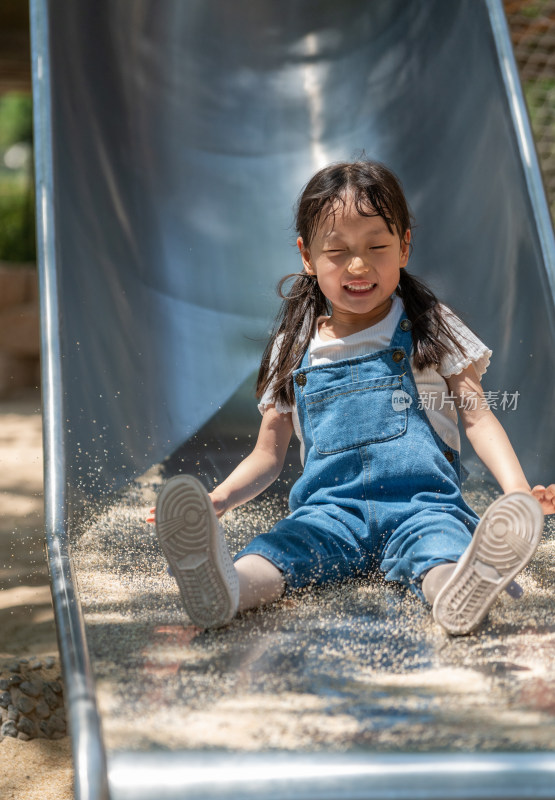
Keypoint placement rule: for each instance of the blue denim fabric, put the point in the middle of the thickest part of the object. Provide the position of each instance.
(379, 486)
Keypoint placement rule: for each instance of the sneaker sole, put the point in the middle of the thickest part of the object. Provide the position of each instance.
(504, 541)
(194, 545)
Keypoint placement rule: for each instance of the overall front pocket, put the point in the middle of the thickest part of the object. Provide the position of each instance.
(355, 414)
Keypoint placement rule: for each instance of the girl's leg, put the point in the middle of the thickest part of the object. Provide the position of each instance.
(212, 588)
(462, 593)
(435, 579)
(260, 582)
(194, 544)
(502, 545)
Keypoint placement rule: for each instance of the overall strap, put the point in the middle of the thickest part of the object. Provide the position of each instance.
(402, 336)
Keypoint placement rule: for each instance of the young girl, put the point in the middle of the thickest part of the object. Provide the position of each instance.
(358, 342)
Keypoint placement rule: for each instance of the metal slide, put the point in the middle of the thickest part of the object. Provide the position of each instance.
(172, 139)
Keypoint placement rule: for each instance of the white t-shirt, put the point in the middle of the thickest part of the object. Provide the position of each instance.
(430, 382)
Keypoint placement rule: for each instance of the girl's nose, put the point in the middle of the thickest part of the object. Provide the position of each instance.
(357, 266)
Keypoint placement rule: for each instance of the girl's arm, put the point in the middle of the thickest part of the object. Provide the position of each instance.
(489, 440)
(259, 469)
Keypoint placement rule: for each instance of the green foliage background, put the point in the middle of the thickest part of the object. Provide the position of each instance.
(17, 187)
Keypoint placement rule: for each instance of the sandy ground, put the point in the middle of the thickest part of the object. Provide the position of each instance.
(508, 664)
(357, 666)
(39, 768)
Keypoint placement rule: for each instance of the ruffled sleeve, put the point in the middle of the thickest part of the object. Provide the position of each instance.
(268, 398)
(477, 352)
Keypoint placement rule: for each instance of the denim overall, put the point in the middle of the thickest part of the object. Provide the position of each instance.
(380, 488)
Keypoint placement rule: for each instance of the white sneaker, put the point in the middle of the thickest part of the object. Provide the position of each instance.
(503, 543)
(194, 544)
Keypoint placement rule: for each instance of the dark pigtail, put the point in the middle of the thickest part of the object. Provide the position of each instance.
(428, 323)
(301, 306)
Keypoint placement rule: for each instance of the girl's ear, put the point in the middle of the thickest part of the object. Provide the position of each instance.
(405, 249)
(305, 256)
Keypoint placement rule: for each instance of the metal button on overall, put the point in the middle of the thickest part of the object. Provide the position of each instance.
(398, 355)
(301, 379)
(405, 325)
(449, 456)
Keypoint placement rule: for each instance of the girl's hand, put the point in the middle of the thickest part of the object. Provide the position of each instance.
(220, 506)
(546, 497)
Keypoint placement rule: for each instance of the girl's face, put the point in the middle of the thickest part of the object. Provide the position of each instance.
(357, 262)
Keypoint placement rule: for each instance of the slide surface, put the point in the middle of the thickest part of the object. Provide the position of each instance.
(172, 141)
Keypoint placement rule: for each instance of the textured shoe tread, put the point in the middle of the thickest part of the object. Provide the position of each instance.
(194, 545)
(504, 542)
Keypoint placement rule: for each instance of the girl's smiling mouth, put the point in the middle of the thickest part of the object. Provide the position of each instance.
(359, 287)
